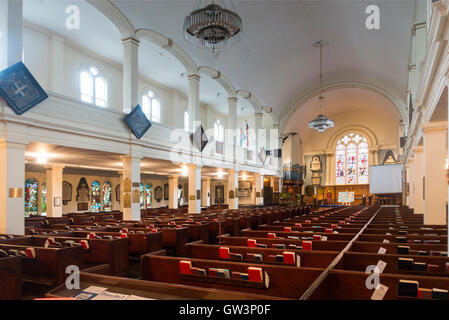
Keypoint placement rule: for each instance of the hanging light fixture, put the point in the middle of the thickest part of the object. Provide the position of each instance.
(321, 123)
(212, 26)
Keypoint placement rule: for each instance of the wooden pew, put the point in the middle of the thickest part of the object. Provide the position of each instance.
(313, 259)
(152, 290)
(10, 278)
(286, 282)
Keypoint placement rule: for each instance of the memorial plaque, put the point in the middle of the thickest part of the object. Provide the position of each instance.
(127, 185)
(136, 196)
(82, 206)
(127, 200)
(15, 192)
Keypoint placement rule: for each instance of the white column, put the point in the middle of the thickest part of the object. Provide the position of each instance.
(257, 127)
(259, 189)
(12, 180)
(11, 16)
(231, 132)
(436, 193)
(419, 174)
(205, 192)
(411, 183)
(194, 188)
(233, 186)
(54, 191)
(131, 180)
(194, 101)
(57, 63)
(121, 190)
(130, 73)
(173, 192)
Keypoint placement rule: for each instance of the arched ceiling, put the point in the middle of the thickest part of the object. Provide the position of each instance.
(275, 58)
(340, 101)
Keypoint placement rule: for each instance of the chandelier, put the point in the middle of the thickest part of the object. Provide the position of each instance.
(321, 123)
(212, 26)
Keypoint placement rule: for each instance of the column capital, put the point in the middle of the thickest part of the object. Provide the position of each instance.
(172, 177)
(258, 114)
(193, 77)
(232, 99)
(130, 158)
(131, 40)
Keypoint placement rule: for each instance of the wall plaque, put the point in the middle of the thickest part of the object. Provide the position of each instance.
(192, 197)
(258, 194)
(136, 185)
(136, 196)
(198, 194)
(127, 200)
(15, 192)
(127, 185)
(231, 194)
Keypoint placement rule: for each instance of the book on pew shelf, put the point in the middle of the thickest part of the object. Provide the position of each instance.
(123, 235)
(224, 252)
(316, 227)
(307, 245)
(317, 237)
(213, 272)
(408, 288)
(185, 266)
(289, 257)
(258, 257)
(335, 232)
(385, 241)
(405, 264)
(193, 270)
(403, 227)
(124, 230)
(91, 235)
(440, 294)
(333, 226)
(434, 253)
(107, 237)
(279, 258)
(293, 237)
(271, 235)
(420, 266)
(14, 252)
(388, 234)
(425, 294)
(278, 245)
(323, 238)
(49, 242)
(261, 245)
(422, 253)
(298, 225)
(328, 230)
(201, 272)
(315, 219)
(223, 273)
(154, 230)
(447, 267)
(255, 274)
(178, 226)
(292, 246)
(382, 251)
(236, 256)
(341, 222)
(307, 221)
(244, 276)
(403, 250)
(235, 275)
(251, 243)
(84, 244)
(287, 229)
(3, 253)
(69, 243)
(401, 239)
(433, 268)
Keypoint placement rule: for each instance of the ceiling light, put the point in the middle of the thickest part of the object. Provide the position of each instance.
(220, 174)
(212, 26)
(41, 158)
(184, 170)
(321, 123)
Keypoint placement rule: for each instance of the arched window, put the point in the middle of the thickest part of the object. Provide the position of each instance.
(151, 106)
(218, 131)
(149, 195)
(107, 196)
(142, 196)
(44, 199)
(93, 87)
(351, 160)
(31, 196)
(186, 121)
(95, 196)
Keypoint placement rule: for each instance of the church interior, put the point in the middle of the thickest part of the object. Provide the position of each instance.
(224, 150)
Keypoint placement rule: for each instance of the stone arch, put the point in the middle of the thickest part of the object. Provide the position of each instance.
(220, 78)
(364, 131)
(251, 98)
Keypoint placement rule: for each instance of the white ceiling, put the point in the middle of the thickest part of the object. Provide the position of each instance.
(338, 101)
(274, 59)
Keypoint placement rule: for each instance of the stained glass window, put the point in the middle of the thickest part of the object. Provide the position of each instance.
(95, 196)
(44, 199)
(149, 194)
(142, 196)
(351, 160)
(31, 196)
(107, 196)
